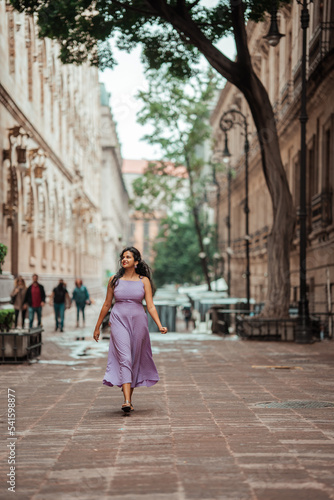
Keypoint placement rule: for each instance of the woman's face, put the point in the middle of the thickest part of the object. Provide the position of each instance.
(128, 260)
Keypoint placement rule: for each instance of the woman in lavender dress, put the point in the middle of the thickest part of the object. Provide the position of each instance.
(130, 363)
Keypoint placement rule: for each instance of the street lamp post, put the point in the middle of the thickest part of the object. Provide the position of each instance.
(227, 159)
(229, 250)
(227, 121)
(216, 256)
(303, 333)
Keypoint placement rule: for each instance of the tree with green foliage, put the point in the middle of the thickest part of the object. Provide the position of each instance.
(6, 319)
(3, 253)
(159, 188)
(176, 32)
(177, 250)
(178, 113)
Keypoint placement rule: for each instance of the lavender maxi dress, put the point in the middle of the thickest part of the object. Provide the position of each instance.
(130, 354)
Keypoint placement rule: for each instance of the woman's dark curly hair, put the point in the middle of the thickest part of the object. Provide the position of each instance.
(142, 268)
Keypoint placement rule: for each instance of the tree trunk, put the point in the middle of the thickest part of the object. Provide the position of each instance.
(204, 261)
(241, 74)
(284, 216)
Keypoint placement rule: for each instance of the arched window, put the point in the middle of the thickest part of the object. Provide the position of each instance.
(42, 67)
(30, 211)
(29, 47)
(41, 214)
(60, 112)
(11, 40)
(32, 248)
(52, 91)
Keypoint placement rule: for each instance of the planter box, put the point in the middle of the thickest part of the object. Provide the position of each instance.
(267, 329)
(17, 347)
(273, 329)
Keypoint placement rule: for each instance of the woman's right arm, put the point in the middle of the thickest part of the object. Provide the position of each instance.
(104, 310)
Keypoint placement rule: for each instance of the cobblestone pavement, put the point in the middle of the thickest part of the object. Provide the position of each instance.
(203, 432)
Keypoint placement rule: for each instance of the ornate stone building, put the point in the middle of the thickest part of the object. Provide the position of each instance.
(114, 195)
(51, 161)
(280, 70)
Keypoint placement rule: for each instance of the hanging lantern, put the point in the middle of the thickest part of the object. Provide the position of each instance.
(273, 37)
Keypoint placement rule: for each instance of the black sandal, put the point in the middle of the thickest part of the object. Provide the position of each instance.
(126, 407)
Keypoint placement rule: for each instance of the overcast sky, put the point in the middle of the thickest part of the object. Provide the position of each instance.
(123, 83)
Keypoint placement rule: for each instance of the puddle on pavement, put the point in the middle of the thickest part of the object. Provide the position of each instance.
(80, 348)
(84, 366)
(83, 348)
(185, 337)
(58, 362)
(71, 381)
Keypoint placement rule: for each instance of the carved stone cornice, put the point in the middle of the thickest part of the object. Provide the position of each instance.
(7, 101)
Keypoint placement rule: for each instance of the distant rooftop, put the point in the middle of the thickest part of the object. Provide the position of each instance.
(139, 167)
(134, 166)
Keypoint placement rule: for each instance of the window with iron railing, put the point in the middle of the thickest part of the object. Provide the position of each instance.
(321, 210)
(312, 170)
(320, 44)
(328, 180)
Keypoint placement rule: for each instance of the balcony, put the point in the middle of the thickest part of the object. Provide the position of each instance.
(257, 244)
(318, 217)
(321, 210)
(320, 44)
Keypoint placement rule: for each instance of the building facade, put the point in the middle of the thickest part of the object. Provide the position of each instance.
(279, 68)
(51, 162)
(114, 195)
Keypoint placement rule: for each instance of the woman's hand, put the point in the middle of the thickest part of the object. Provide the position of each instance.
(96, 335)
(163, 329)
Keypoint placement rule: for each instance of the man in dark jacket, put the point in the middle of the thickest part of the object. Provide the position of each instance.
(35, 298)
(59, 296)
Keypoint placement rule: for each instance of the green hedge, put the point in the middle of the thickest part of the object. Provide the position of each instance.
(3, 253)
(7, 317)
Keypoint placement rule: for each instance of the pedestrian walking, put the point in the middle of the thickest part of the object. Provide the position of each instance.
(187, 316)
(17, 299)
(59, 298)
(81, 299)
(35, 298)
(130, 362)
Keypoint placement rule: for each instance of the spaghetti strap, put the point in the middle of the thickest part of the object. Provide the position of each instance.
(141, 277)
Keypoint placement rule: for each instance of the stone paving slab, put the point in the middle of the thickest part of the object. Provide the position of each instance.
(198, 434)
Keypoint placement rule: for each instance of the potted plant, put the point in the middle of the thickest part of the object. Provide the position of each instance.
(3, 253)
(6, 319)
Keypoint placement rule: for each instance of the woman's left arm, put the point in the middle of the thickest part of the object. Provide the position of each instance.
(150, 305)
